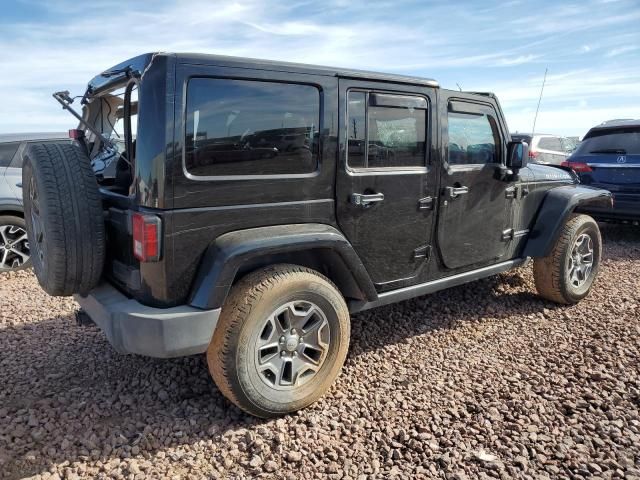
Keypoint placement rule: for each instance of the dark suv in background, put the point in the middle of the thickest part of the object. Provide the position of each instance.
(609, 157)
(14, 247)
(546, 149)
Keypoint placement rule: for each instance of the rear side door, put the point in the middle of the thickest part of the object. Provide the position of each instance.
(476, 197)
(386, 182)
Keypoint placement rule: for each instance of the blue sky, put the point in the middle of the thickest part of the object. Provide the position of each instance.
(591, 48)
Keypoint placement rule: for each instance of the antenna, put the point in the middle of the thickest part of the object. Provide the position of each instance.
(459, 87)
(533, 130)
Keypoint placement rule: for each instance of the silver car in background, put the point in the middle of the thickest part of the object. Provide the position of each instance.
(547, 149)
(14, 246)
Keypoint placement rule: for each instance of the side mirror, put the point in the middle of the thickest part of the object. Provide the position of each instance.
(517, 155)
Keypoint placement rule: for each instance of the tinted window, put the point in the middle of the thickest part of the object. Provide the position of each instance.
(521, 138)
(473, 139)
(357, 129)
(551, 143)
(612, 140)
(386, 136)
(7, 151)
(238, 127)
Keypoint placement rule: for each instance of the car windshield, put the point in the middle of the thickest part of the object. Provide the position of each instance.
(521, 138)
(625, 140)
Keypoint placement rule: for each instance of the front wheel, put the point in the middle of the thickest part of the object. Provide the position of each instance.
(281, 340)
(568, 272)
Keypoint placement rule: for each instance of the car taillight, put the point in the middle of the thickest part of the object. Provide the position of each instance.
(146, 237)
(76, 133)
(533, 154)
(577, 166)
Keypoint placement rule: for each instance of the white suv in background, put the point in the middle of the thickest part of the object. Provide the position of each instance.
(546, 149)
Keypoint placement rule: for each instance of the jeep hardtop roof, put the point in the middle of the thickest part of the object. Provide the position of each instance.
(141, 63)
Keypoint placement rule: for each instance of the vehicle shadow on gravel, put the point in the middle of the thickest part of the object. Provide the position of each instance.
(73, 398)
(89, 402)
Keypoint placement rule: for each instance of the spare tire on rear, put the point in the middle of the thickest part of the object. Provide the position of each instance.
(64, 219)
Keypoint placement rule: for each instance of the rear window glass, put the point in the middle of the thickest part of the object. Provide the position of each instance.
(240, 127)
(550, 143)
(7, 151)
(521, 138)
(612, 140)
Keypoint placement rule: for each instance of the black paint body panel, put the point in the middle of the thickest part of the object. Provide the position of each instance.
(216, 229)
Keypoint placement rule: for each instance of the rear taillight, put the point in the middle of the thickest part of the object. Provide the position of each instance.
(533, 154)
(76, 133)
(577, 166)
(146, 237)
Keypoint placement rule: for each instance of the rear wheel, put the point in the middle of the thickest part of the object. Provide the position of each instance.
(281, 340)
(14, 246)
(567, 273)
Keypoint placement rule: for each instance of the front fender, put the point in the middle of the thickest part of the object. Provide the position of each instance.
(559, 203)
(245, 250)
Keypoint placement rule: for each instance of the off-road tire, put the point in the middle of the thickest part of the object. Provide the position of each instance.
(13, 221)
(230, 355)
(64, 220)
(551, 272)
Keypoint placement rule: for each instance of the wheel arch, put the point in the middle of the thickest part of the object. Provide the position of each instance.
(320, 247)
(558, 205)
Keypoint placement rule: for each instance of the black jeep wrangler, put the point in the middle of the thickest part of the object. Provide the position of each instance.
(245, 208)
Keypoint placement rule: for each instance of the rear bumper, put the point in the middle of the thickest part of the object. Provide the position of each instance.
(626, 206)
(155, 332)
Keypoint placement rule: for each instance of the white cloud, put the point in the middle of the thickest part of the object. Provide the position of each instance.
(77, 43)
(622, 50)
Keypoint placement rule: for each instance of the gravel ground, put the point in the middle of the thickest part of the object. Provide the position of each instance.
(483, 380)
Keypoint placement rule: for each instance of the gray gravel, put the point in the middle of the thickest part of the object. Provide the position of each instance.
(480, 381)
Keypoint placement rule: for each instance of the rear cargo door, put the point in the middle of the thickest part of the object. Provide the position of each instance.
(613, 155)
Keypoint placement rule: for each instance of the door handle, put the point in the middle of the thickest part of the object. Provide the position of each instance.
(365, 200)
(454, 192)
(19, 184)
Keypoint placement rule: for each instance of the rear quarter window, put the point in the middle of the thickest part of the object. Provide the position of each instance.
(249, 128)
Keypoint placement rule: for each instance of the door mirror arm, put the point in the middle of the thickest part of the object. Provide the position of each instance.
(507, 174)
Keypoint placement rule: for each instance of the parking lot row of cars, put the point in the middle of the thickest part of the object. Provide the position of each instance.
(607, 157)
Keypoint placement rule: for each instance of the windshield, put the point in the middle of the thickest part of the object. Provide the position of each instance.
(625, 140)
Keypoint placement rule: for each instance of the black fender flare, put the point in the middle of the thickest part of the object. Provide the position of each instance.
(559, 203)
(238, 252)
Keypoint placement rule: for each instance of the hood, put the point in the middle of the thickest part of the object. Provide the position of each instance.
(535, 173)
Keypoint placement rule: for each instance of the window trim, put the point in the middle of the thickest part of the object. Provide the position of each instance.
(274, 176)
(474, 108)
(385, 170)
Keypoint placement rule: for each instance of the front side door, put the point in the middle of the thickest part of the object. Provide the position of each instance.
(385, 183)
(476, 199)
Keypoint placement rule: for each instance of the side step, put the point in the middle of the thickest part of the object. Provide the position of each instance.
(413, 291)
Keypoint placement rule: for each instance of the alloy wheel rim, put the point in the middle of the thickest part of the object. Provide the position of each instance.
(581, 260)
(14, 247)
(292, 345)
